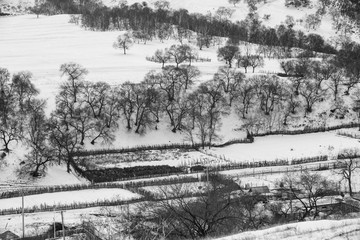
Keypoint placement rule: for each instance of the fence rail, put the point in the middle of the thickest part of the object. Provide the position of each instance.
(158, 147)
(199, 59)
(76, 187)
(306, 130)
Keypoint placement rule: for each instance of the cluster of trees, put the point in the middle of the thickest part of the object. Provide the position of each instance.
(185, 215)
(230, 52)
(297, 3)
(342, 9)
(82, 111)
(176, 53)
(221, 207)
(51, 7)
(17, 104)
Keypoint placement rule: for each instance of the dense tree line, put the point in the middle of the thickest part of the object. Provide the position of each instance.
(159, 22)
(140, 17)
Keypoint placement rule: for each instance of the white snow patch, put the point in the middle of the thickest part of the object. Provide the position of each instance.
(82, 196)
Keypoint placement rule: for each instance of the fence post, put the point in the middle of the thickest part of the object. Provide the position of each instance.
(62, 223)
(22, 213)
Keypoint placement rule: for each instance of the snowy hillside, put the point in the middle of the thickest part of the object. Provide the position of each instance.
(41, 44)
(314, 230)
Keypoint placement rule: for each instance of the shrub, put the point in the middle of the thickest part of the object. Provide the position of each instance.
(197, 168)
(116, 174)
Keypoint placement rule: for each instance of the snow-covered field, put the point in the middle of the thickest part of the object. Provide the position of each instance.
(67, 198)
(37, 223)
(268, 148)
(273, 179)
(174, 157)
(287, 147)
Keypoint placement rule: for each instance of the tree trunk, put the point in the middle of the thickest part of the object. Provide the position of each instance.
(82, 138)
(128, 123)
(68, 166)
(6, 145)
(350, 188)
(35, 173)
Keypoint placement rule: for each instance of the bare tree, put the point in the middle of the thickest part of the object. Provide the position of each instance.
(23, 89)
(189, 74)
(144, 97)
(270, 91)
(312, 21)
(76, 115)
(227, 54)
(11, 131)
(289, 106)
(161, 56)
(335, 80)
(171, 81)
(307, 189)
(179, 53)
(164, 31)
(243, 61)
(347, 165)
(224, 13)
(177, 110)
(100, 130)
(288, 67)
(356, 104)
(231, 81)
(311, 94)
(213, 93)
(75, 73)
(204, 38)
(126, 101)
(124, 41)
(112, 108)
(15, 101)
(94, 95)
(227, 77)
(64, 141)
(256, 61)
(246, 98)
(37, 136)
(162, 4)
(322, 71)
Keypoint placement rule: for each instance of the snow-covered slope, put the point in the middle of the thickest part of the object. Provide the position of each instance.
(314, 230)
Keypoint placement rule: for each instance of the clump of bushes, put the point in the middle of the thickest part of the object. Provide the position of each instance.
(117, 174)
(297, 3)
